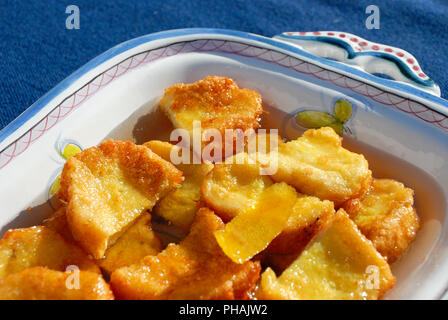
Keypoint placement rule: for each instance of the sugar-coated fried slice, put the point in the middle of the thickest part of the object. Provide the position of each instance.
(40, 246)
(230, 188)
(251, 231)
(57, 221)
(233, 186)
(386, 216)
(310, 216)
(216, 102)
(317, 164)
(339, 264)
(44, 284)
(180, 205)
(107, 187)
(194, 269)
(137, 242)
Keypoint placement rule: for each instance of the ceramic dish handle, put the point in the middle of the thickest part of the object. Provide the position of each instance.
(377, 59)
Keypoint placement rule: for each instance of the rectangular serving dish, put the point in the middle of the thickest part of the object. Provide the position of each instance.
(401, 129)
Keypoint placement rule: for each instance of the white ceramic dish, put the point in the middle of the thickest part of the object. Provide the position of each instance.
(402, 126)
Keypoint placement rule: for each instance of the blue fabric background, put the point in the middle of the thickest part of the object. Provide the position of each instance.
(37, 51)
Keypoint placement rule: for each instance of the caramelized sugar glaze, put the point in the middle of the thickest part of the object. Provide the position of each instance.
(429, 199)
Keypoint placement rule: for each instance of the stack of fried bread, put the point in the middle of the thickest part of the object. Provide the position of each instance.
(318, 227)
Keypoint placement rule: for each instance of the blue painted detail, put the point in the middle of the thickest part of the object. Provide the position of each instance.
(403, 67)
(123, 47)
(384, 76)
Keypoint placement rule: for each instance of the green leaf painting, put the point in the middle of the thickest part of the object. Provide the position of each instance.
(318, 119)
(342, 110)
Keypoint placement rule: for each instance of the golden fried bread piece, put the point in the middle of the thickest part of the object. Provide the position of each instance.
(251, 231)
(310, 216)
(180, 205)
(386, 216)
(216, 102)
(137, 242)
(107, 187)
(57, 221)
(317, 164)
(40, 246)
(44, 284)
(339, 264)
(194, 269)
(233, 186)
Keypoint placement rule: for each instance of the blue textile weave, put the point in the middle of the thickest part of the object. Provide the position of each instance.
(37, 51)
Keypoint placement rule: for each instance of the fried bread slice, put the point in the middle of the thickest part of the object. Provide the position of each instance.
(180, 205)
(40, 247)
(107, 187)
(216, 102)
(137, 242)
(194, 269)
(339, 264)
(386, 216)
(309, 217)
(317, 164)
(233, 186)
(251, 231)
(40, 283)
(57, 221)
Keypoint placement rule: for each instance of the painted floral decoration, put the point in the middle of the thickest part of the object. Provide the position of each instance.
(66, 150)
(317, 119)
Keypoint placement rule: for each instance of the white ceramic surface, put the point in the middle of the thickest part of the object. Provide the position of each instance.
(371, 57)
(116, 96)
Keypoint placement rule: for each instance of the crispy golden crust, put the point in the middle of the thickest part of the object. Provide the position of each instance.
(339, 264)
(194, 269)
(57, 221)
(137, 242)
(179, 206)
(232, 187)
(215, 101)
(107, 187)
(43, 284)
(317, 164)
(40, 246)
(386, 216)
(310, 216)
